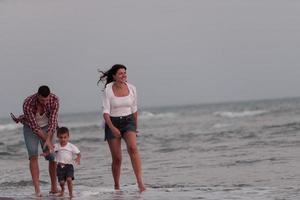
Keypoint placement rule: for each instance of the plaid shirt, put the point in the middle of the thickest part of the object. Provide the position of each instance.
(30, 109)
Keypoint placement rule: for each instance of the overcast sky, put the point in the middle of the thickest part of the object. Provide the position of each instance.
(177, 52)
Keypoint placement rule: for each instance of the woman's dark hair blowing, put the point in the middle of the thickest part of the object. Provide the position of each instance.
(108, 75)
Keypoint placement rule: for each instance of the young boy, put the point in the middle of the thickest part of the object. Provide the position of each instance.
(64, 154)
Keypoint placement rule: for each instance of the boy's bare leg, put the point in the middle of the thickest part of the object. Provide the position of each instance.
(35, 174)
(70, 186)
(62, 186)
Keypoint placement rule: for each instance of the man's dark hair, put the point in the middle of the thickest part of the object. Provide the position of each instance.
(62, 130)
(44, 91)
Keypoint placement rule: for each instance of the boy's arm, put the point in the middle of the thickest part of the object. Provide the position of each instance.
(77, 159)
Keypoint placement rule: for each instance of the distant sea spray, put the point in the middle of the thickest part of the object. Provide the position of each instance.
(9, 127)
(245, 113)
(152, 115)
(144, 115)
(97, 122)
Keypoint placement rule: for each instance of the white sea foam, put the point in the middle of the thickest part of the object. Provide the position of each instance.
(150, 115)
(89, 193)
(9, 127)
(245, 113)
(80, 124)
(221, 125)
(98, 123)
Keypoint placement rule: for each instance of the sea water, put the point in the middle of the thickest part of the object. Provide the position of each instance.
(241, 150)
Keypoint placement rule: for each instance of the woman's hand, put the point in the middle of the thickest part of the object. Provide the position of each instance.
(116, 132)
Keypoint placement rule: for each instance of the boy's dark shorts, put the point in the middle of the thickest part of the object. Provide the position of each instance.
(124, 124)
(64, 171)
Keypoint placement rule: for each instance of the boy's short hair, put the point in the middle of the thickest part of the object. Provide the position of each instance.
(62, 130)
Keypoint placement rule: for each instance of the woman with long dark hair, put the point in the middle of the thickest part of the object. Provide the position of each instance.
(121, 120)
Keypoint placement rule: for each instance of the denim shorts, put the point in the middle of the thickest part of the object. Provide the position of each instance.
(63, 171)
(32, 142)
(124, 124)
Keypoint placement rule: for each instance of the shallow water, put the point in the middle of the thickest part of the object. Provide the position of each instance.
(242, 150)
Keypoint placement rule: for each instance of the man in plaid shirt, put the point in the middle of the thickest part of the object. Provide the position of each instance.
(40, 123)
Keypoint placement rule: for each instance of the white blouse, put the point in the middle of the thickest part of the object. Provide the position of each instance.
(119, 106)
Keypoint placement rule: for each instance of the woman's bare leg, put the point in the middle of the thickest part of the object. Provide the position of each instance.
(130, 138)
(116, 154)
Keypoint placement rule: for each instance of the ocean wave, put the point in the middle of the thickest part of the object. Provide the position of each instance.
(245, 113)
(20, 183)
(74, 125)
(294, 125)
(249, 162)
(87, 140)
(14, 126)
(221, 125)
(150, 115)
(9, 127)
(87, 124)
(167, 185)
(5, 153)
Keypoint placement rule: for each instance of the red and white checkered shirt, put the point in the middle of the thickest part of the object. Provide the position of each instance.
(51, 109)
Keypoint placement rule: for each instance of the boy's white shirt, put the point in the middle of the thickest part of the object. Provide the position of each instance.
(65, 154)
